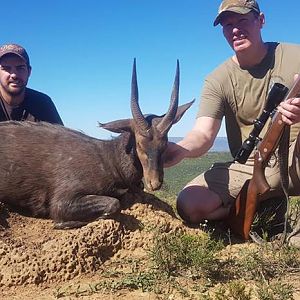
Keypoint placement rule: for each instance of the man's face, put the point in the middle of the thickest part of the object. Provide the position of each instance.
(14, 74)
(242, 31)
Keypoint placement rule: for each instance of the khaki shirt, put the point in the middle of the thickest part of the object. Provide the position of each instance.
(239, 94)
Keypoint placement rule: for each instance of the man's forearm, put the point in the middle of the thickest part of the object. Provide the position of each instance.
(196, 144)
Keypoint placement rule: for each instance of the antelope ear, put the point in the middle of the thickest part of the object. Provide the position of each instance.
(118, 126)
(181, 110)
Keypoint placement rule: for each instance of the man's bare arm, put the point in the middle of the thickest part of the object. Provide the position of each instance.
(196, 143)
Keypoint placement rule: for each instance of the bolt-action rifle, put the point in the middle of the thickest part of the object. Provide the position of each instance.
(243, 211)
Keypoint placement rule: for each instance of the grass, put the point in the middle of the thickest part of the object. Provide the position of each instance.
(197, 266)
(178, 176)
(178, 254)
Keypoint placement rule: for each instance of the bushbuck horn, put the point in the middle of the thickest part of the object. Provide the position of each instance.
(88, 176)
(135, 108)
(167, 121)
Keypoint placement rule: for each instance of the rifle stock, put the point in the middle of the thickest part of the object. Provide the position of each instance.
(243, 211)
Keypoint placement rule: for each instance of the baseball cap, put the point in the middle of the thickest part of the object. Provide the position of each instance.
(237, 6)
(14, 49)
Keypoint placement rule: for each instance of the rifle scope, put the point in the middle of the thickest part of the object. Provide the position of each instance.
(275, 96)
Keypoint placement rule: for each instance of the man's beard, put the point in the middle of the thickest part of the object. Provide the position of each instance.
(15, 91)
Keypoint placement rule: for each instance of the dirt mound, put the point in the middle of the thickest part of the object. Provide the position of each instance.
(32, 252)
(39, 262)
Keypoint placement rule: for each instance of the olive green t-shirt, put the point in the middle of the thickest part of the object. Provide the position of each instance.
(239, 94)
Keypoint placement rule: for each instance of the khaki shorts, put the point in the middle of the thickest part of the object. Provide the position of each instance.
(226, 179)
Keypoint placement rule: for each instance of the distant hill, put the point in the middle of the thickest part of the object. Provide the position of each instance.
(220, 145)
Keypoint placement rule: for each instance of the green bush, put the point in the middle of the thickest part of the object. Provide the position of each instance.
(175, 254)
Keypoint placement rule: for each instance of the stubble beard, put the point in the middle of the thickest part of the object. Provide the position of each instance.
(14, 91)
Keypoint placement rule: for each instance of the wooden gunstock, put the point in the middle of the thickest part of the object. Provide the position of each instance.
(243, 211)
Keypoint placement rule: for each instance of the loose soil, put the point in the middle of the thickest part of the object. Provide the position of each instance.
(37, 261)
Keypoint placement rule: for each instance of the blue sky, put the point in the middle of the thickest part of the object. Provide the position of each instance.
(82, 52)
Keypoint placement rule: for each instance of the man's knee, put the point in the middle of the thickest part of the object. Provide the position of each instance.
(196, 203)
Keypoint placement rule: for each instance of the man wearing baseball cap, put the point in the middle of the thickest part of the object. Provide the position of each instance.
(240, 7)
(17, 102)
(237, 91)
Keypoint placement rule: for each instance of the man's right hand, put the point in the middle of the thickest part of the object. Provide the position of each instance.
(196, 143)
(174, 154)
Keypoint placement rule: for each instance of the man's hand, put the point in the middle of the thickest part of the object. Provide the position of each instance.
(197, 141)
(290, 109)
(174, 154)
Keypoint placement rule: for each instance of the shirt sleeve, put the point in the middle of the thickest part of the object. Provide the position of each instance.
(41, 107)
(50, 113)
(212, 100)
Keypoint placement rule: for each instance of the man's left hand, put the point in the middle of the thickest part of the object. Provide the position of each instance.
(290, 109)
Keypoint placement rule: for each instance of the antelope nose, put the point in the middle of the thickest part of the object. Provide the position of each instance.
(154, 185)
